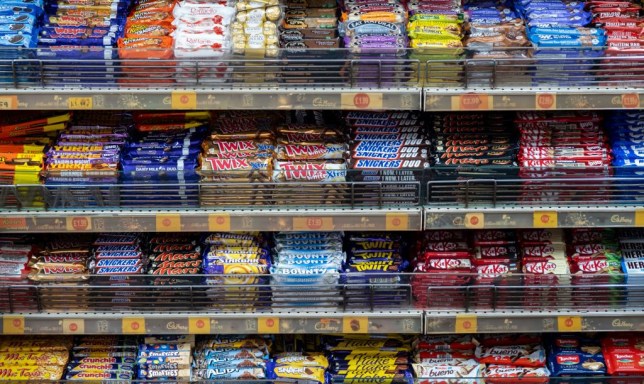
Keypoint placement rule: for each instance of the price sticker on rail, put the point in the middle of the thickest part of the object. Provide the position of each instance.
(73, 326)
(78, 223)
(219, 222)
(183, 100)
(361, 100)
(314, 223)
(80, 103)
(472, 102)
(474, 220)
(267, 325)
(569, 323)
(639, 217)
(8, 102)
(168, 223)
(133, 325)
(545, 101)
(355, 324)
(396, 222)
(13, 325)
(630, 100)
(199, 325)
(545, 219)
(466, 323)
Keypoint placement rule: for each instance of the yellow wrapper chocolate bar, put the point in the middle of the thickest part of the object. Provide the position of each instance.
(301, 373)
(25, 359)
(52, 372)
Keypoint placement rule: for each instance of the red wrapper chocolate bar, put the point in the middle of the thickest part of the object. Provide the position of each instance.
(524, 355)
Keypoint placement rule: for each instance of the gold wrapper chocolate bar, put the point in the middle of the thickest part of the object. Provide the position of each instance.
(249, 168)
(238, 148)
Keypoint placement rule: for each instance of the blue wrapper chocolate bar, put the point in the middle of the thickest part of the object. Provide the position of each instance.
(571, 355)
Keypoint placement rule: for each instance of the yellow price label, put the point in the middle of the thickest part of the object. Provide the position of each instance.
(397, 222)
(78, 223)
(361, 100)
(73, 326)
(219, 222)
(569, 323)
(13, 325)
(639, 218)
(183, 100)
(80, 103)
(133, 325)
(545, 101)
(313, 224)
(466, 323)
(168, 223)
(8, 102)
(472, 102)
(474, 220)
(545, 219)
(353, 324)
(198, 325)
(268, 325)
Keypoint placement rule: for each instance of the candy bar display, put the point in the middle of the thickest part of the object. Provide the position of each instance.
(165, 358)
(446, 356)
(443, 261)
(147, 44)
(160, 162)
(63, 259)
(622, 23)
(388, 147)
(308, 31)
(22, 143)
(375, 35)
(81, 33)
(511, 356)
(355, 357)
(496, 32)
(300, 365)
(202, 32)
(631, 244)
(558, 30)
(436, 30)
(102, 358)
(570, 355)
(623, 354)
(562, 145)
(87, 152)
(20, 21)
(117, 254)
(625, 129)
(15, 253)
(228, 254)
(254, 31)
(310, 149)
(240, 149)
(306, 269)
(232, 357)
(473, 146)
(375, 258)
(35, 358)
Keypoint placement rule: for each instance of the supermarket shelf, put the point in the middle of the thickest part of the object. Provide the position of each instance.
(531, 98)
(538, 321)
(503, 217)
(213, 98)
(195, 322)
(203, 220)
